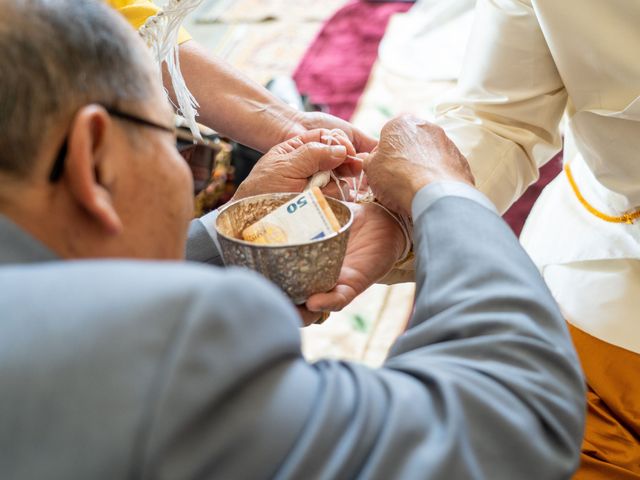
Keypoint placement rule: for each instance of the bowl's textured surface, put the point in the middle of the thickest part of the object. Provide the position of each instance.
(300, 270)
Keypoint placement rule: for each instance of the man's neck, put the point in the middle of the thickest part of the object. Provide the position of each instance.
(46, 217)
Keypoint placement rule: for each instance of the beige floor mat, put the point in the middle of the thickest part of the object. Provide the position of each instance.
(240, 11)
(266, 50)
(365, 330)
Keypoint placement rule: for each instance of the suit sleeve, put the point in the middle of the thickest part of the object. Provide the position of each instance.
(504, 115)
(200, 246)
(484, 384)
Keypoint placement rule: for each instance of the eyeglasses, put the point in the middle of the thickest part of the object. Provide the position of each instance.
(183, 137)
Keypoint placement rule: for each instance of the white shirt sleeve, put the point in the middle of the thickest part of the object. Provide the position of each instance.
(505, 113)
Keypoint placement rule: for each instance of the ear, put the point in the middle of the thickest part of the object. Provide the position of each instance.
(89, 171)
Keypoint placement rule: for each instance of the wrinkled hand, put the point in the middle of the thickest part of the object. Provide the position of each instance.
(412, 153)
(288, 166)
(375, 243)
(312, 120)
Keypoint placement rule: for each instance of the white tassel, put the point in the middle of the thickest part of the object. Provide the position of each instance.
(160, 32)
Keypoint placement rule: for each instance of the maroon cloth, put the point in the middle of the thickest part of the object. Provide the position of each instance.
(336, 68)
(519, 211)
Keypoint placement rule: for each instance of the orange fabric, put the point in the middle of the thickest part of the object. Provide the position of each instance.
(611, 446)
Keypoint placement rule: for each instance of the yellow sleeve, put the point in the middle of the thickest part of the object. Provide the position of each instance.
(137, 11)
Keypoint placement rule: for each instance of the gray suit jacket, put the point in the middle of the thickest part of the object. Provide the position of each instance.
(126, 369)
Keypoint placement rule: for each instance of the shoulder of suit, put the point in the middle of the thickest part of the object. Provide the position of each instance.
(173, 279)
(131, 288)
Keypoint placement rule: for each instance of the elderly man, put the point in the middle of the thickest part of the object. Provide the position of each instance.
(144, 368)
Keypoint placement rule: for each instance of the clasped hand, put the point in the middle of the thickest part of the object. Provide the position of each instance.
(411, 154)
(375, 240)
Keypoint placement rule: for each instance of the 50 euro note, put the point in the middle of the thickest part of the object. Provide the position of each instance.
(306, 217)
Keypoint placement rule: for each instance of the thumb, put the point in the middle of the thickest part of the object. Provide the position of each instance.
(363, 142)
(369, 159)
(333, 301)
(316, 157)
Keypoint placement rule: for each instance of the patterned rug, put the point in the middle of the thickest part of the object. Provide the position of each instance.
(263, 51)
(245, 11)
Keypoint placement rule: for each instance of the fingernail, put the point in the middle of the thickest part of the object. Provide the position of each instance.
(323, 318)
(338, 151)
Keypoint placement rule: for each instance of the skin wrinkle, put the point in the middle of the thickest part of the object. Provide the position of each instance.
(413, 138)
(276, 114)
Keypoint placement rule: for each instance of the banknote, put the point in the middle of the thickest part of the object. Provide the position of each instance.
(306, 217)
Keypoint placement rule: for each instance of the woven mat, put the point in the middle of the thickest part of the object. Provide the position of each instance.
(266, 50)
(365, 330)
(242, 11)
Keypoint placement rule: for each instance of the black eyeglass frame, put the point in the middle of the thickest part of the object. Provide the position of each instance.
(182, 136)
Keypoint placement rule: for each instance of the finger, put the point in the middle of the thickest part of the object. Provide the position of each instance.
(351, 167)
(333, 301)
(317, 135)
(308, 317)
(291, 144)
(362, 141)
(369, 160)
(317, 157)
(339, 137)
(326, 136)
(322, 135)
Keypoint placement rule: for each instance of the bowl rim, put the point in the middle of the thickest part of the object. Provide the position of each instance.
(342, 230)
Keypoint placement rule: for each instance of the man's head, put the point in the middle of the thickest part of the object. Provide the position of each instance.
(122, 190)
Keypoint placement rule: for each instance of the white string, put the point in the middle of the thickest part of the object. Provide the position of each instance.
(359, 184)
(336, 179)
(160, 32)
(331, 139)
(322, 179)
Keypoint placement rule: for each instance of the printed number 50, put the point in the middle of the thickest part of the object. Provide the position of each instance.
(295, 206)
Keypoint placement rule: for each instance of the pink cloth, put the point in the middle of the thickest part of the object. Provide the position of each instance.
(335, 69)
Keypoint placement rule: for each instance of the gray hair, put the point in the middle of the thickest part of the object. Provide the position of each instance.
(55, 57)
